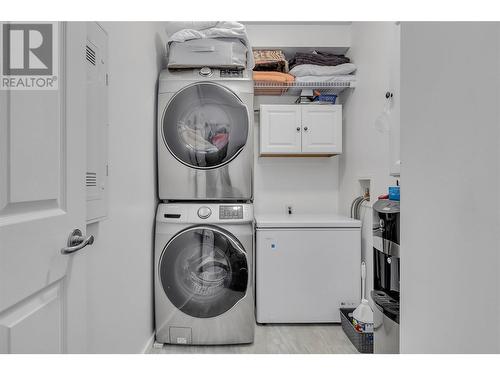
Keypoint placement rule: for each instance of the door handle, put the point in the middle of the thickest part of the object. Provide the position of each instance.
(76, 242)
(305, 128)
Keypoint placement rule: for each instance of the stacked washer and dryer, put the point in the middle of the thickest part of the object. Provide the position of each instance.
(204, 224)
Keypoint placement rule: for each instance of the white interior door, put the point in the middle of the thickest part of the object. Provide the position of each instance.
(42, 200)
(322, 129)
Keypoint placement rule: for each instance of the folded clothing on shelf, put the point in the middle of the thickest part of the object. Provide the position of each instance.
(270, 60)
(331, 78)
(271, 78)
(322, 70)
(209, 30)
(230, 53)
(274, 77)
(318, 58)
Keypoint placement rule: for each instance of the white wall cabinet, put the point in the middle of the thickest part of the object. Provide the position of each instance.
(280, 129)
(300, 130)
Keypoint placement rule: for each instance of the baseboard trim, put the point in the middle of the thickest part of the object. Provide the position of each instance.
(149, 344)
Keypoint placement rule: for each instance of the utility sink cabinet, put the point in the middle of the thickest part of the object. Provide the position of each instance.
(300, 130)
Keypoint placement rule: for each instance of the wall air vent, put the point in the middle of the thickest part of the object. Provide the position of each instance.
(90, 53)
(91, 179)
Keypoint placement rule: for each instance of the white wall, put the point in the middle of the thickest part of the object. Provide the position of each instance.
(450, 216)
(299, 34)
(366, 149)
(308, 184)
(120, 290)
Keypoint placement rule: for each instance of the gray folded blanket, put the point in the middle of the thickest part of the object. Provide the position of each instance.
(318, 58)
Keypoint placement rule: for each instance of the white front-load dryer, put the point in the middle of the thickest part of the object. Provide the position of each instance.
(205, 134)
(204, 274)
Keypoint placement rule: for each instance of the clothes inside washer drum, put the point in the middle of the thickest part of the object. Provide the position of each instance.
(220, 140)
(207, 143)
(205, 125)
(194, 139)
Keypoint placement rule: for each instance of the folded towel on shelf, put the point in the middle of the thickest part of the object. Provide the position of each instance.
(272, 78)
(270, 60)
(318, 58)
(332, 78)
(211, 30)
(320, 70)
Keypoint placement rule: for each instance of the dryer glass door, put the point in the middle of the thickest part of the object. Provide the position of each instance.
(205, 125)
(204, 271)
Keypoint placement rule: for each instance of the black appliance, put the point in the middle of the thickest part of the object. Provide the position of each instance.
(386, 268)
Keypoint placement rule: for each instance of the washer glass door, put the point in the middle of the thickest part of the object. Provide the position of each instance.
(204, 271)
(205, 125)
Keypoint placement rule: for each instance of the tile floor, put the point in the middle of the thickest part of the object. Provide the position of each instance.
(278, 339)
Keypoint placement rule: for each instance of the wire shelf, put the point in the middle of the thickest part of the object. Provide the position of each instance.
(295, 88)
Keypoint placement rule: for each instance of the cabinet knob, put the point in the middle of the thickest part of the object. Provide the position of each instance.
(305, 128)
(298, 128)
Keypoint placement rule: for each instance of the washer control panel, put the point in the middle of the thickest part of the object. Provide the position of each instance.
(227, 212)
(204, 212)
(205, 71)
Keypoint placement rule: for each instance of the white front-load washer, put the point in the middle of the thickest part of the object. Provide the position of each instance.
(204, 273)
(205, 134)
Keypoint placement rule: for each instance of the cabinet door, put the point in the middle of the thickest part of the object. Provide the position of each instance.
(280, 129)
(322, 129)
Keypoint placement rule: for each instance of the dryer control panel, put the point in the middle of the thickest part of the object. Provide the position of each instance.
(231, 73)
(227, 212)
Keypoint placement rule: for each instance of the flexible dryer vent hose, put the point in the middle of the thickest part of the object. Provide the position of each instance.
(355, 206)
